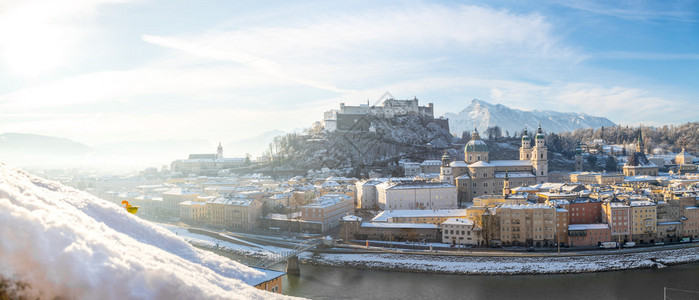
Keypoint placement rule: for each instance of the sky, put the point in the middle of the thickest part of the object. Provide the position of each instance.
(103, 71)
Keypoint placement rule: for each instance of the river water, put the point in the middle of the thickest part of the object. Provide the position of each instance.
(317, 282)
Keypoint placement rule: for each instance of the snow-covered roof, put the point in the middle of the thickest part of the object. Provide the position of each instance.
(514, 174)
(351, 218)
(400, 225)
(386, 215)
(572, 227)
(511, 163)
(238, 201)
(415, 185)
(180, 191)
(641, 203)
(458, 221)
(328, 200)
(526, 206)
(431, 162)
(480, 164)
(458, 164)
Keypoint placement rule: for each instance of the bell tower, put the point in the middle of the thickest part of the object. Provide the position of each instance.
(540, 157)
(525, 152)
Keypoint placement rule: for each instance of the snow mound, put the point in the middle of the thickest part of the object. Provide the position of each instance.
(65, 243)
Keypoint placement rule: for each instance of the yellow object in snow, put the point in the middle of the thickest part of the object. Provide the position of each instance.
(129, 208)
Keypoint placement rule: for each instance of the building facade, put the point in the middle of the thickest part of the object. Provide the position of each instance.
(327, 210)
(416, 195)
(529, 224)
(461, 231)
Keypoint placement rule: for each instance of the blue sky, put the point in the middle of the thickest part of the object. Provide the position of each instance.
(113, 71)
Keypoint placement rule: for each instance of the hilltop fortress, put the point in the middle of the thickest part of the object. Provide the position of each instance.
(361, 117)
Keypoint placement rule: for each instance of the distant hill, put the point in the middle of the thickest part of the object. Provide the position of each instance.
(481, 115)
(34, 149)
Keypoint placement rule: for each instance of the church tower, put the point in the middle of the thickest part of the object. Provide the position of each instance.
(525, 152)
(578, 158)
(540, 157)
(219, 151)
(506, 186)
(446, 174)
(639, 142)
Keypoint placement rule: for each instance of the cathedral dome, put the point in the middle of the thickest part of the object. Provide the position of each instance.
(476, 146)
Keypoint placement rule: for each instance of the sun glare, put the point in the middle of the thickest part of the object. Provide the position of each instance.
(32, 43)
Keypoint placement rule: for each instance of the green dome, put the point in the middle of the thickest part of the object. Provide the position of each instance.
(476, 146)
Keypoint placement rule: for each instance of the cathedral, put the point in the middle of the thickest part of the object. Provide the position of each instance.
(478, 175)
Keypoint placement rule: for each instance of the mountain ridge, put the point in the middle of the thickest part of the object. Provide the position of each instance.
(481, 115)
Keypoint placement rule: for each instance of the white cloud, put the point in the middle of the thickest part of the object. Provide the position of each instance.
(339, 49)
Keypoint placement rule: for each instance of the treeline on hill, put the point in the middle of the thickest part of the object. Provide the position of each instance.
(387, 142)
(667, 137)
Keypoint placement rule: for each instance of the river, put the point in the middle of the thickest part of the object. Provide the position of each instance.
(318, 282)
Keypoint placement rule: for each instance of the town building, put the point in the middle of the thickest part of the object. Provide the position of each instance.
(173, 197)
(271, 281)
(234, 212)
(327, 210)
(618, 216)
(528, 224)
(478, 175)
(411, 169)
(585, 211)
(597, 178)
(461, 231)
(644, 218)
(690, 222)
(428, 216)
(353, 227)
(192, 211)
(585, 235)
(685, 163)
(416, 195)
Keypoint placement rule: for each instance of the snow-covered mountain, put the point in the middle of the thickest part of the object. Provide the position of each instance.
(60, 243)
(481, 115)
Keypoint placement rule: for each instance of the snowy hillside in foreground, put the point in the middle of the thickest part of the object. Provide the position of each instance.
(481, 114)
(68, 244)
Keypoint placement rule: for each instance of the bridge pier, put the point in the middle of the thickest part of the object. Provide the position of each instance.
(292, 266)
